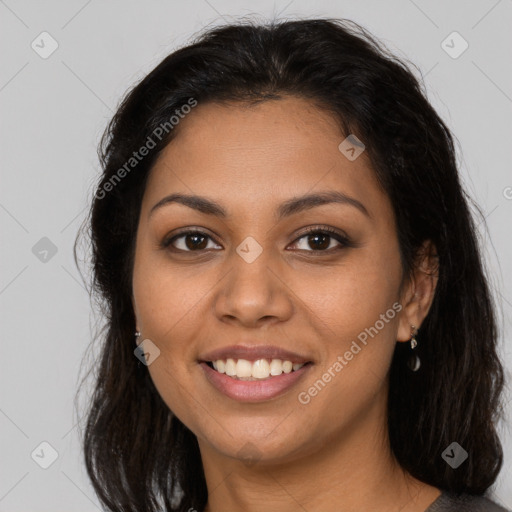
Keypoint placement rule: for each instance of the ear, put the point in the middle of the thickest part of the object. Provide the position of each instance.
(134, 312)
(418, 291)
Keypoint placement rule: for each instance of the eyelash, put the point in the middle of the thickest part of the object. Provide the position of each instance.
(323, 230)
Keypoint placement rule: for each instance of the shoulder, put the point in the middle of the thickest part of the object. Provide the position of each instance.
(450, 501)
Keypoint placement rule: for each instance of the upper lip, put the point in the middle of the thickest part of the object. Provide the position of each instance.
(252, 353)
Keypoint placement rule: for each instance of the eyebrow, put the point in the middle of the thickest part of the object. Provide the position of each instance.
(286, 209)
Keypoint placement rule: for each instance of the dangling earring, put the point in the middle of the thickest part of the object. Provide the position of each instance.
(414, 362)
(414, 331)
(137, 336)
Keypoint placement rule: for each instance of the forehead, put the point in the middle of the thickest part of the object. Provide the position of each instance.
(243, 155)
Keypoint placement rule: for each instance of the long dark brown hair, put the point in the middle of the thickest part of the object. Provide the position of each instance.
(138, 455)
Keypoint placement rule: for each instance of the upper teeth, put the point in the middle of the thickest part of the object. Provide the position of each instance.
(259, 369)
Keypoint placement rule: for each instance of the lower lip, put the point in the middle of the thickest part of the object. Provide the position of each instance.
(253, 390)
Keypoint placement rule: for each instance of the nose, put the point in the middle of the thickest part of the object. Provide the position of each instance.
(254, 293)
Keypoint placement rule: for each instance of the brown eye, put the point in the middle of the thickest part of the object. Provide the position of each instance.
(316, 240)
(195, 241)
(321, 240)
(189, 241)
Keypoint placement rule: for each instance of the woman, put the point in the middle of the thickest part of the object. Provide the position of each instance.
(298, 315)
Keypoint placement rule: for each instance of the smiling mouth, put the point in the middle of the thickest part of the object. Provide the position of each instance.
(260, 369)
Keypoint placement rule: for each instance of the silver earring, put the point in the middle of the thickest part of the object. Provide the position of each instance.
(414, 362)
(414, 331)
(137, 336)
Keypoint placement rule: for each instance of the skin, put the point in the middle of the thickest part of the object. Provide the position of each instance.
(332, 453)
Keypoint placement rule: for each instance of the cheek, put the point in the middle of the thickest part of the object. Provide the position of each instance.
(356, 314)
(167, 304)
(352, 297)
(170, 306)
(166, 295)
(355, 310)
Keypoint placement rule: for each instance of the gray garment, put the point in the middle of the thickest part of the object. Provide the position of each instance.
(452, 502)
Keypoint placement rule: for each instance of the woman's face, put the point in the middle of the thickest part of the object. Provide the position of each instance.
(254, 279)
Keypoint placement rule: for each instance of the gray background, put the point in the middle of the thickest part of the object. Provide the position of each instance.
(53, 111)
